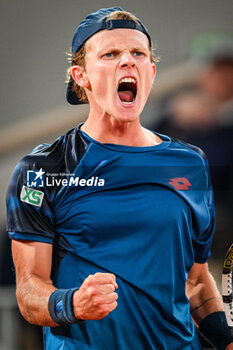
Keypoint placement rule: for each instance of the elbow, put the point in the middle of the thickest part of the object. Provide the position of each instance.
(30, 310)
(23, 306)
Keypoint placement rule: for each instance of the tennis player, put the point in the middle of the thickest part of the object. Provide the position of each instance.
(112, 224)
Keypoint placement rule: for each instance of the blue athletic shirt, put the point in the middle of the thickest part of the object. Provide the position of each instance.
(145, 214)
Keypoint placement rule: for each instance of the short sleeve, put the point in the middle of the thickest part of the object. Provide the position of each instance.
(29, 210)
(205, 223)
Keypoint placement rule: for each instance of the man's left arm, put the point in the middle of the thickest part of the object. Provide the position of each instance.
(207, 308)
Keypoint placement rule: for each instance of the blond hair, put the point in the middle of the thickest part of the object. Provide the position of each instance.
(78, 58)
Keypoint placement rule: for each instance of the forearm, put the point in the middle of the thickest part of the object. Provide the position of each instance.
(32, 295)
(204, 298)
(207, 308)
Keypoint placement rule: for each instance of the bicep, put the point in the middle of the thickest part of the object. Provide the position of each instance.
(197, 277)
(32, 258)
(198, 273)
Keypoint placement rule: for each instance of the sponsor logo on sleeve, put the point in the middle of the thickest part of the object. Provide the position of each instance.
(31, 196)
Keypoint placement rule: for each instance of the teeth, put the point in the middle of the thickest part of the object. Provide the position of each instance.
(128, 80)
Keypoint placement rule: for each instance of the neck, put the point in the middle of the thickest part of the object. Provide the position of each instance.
(107, 129)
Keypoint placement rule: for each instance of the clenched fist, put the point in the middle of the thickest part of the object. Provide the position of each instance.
(96, 297)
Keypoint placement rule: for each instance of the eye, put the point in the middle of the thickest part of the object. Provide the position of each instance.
(111, 54)
(138, 53)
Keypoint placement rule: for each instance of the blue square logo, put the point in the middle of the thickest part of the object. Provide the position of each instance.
(35, 178)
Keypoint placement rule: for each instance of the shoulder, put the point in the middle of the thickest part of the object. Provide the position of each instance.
(49, 154)
(187, 150)
(181, 146)
(60, 157)
(64, 152)
(192, 148)
(187, 159)
(44, 156)
(193, 158)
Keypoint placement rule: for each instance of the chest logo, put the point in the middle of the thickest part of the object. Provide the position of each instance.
(180, 183)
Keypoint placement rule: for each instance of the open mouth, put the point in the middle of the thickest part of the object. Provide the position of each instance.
(127, 90)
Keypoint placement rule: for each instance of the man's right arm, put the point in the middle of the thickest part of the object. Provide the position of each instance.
(33, 261)
(95, 299)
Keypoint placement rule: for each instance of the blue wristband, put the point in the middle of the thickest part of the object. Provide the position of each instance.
(215, 329)
(60, 306)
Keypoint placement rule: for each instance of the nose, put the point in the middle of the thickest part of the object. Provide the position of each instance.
(127, 60)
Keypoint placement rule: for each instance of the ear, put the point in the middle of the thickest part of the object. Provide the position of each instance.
(79, 75)
(153, 71)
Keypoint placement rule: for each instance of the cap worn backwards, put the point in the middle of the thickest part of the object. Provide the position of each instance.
(92, 24)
